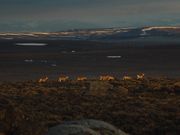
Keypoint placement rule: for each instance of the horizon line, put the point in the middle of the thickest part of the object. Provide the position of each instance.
(100, 28)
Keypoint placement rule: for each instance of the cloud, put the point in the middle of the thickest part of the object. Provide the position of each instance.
(44, 14)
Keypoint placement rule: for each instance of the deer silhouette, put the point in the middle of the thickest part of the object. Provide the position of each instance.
(81, 78)
(140, 76)
(63, 78)
(106, 78)
(127, 78)
(43, 79)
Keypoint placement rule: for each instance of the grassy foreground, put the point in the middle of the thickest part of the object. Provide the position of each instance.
(138, 107)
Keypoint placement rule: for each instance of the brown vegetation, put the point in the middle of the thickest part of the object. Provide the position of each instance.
(139, 107)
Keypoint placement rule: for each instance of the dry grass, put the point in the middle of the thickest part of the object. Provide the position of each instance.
(146, 107)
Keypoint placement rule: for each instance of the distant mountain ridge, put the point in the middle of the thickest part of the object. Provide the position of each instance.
(104, 34)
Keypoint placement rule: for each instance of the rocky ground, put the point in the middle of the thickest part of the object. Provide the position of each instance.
(137, 107)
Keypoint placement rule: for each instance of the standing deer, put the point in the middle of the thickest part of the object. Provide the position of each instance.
(106, 78)
(127, 78)
(43, 79)
(82, 78)
(63, 78)
(140, 76)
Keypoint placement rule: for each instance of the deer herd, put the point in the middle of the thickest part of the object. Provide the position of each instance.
(101, 78)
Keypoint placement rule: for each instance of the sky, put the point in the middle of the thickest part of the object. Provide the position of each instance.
(60, 15)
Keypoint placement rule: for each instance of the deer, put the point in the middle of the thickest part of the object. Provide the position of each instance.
(82, 78)
(63, 78)
(106, 78)
(140, 76)
(127, 78)
(43, 79)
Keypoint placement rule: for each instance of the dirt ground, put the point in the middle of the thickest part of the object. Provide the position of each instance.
(145, 107)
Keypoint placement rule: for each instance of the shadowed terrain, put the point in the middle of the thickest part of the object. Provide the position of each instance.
(92, 59)
(145, 107)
